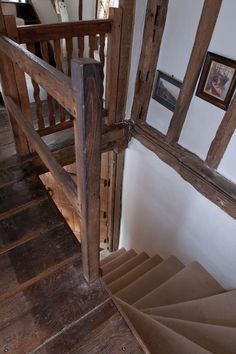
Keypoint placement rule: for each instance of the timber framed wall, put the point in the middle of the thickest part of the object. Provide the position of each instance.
(157, 201)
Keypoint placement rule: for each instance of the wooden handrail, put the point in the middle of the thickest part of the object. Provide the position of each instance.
(38, 33)
(61, 176)
(57, 84)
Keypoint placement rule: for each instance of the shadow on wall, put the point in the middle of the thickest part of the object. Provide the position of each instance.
(164, 214)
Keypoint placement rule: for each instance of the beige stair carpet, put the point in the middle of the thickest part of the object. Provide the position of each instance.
(158, 338)
(193, 282)
(118, 261)
(217, 309)
(125, 268)
(150, 280)
(216, 339)
(134, 274)
(112, 256)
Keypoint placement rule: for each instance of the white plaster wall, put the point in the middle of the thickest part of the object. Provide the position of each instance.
(161, 212)
(45, 11)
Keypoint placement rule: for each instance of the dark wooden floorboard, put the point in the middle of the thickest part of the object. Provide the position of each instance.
(45, 308)
(35, 220)
(20, 193)
(28, 260)
(85, 335)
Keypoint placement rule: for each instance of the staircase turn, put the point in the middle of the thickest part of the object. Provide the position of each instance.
(175, 309)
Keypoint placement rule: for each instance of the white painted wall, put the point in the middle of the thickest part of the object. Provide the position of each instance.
(45, 11)
(161, 212)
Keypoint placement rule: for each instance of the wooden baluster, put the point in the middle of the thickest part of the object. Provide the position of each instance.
(92, 46)
(69, 49)
(87, 81)
(101, 48)
(38, 103)
(45, 54)
(80, 47)
(57, 56)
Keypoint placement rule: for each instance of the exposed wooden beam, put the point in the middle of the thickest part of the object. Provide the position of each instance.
(210, 12)
(87, 78)
(80, 10)
(152, 36)
(128, 7)
(223, 136)
(207, 181)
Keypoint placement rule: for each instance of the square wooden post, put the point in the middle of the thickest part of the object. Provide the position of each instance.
(87, 81)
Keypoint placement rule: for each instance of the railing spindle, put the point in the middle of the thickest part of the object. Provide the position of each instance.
(92, 46)
(102, 39)
(45, 55)
(57, 57)
(69, 49)
(80, 47)
(38, 103)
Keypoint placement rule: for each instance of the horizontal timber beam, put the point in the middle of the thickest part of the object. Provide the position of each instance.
(207, 181)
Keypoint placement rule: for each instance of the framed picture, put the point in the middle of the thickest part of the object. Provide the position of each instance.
(166, 90)
(218, 79)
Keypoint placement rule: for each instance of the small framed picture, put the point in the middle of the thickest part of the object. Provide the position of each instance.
(218, 79)
(166, 90)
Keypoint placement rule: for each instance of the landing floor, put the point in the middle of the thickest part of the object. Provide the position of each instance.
(46, 306)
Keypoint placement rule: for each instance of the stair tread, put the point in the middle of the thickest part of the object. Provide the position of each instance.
(218, 309)
(150, 280)
(33, 220)
(157, 337)
(193, 282)
(20, 193)
(134, 274)
(125, 268)
(216, 339)
(26, 261)
(115, 263)
(112, 256)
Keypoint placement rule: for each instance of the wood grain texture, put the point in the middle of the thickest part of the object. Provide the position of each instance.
(87, 78)
(28, 223)
(223, 135)
(40, 253)
(38, 33)
(152, 37)
(210, 12)
(207, 181)
(127, 27)
(54, 82)
(113, 64)
(9, 87)
(61, 176)
(58, 61)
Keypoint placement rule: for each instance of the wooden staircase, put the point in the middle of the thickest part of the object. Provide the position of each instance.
(175, 309)
(46, 305)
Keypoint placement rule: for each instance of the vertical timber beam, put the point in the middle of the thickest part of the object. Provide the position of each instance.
(210, 12)
(10, 84)
(152, 37)
(113, 63)
(128, 7)
(87, 81)
(223, 136)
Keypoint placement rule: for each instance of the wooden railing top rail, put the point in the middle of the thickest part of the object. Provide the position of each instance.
(37, 33)
(61, 176)
(57, 84)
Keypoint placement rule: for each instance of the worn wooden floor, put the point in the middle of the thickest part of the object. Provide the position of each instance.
(46, 306)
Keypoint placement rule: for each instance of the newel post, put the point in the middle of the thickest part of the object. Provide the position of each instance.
(87, 81)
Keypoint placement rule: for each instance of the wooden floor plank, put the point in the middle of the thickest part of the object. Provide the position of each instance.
(42, 310)
(17, 194)
(101, 331)
(28, 224)
(28, 260)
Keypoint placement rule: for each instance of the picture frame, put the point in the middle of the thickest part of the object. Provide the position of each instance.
(218, 80)
(166, 90)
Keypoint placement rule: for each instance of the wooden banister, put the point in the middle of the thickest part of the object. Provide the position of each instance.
(87, 79)
(38, 33)
(57, 84)
(61, 176)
